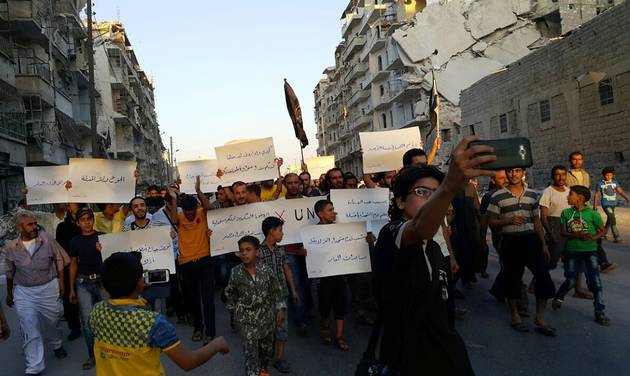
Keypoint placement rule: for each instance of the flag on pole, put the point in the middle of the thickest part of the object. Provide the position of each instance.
(293, 105)
(434, 107)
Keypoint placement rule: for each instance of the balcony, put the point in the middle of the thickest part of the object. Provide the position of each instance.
(27, 18)
(352, 19)
(380, 75)
(44, 131)
(12, 125)
(358, 95)
(404, 90)
(356, 71)
(32, 77)
(415, 122)
(356, 44)
(360, 121)
(6, 47)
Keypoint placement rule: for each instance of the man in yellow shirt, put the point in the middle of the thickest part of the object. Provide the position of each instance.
(128, 337)
(110, 219)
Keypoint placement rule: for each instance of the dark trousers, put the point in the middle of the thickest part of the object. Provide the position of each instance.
(298, 312)
(176, 298)
(601, 254)
(332, 296)
(518, 252)
(70, 311)
(199, 289)
(594, 282)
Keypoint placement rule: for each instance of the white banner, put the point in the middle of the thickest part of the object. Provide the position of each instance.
(319, 165)
(154, 243)
(383, 151)
(230, 224)
(248, 161)
(336, 249)
(46, 185)
(102, 180)
(360, 205)
(206, 170)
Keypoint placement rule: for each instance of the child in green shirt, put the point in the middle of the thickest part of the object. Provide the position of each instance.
(582, 226)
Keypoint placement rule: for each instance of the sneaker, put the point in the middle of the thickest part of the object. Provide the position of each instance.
(605, 268)
(74, 334)
(197, 335)
(618, 241)
(60, 353)
(282, 366)
(556, 304)
(601, 319)
(89, 364)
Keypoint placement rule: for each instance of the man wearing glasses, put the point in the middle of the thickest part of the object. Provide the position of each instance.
(514, 209)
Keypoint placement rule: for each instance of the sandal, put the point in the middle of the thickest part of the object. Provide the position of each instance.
(546, 330)
(520, 327)
(89, 364)
(342, 344)
(325, 331)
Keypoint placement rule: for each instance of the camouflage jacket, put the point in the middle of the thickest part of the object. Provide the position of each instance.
(253, 299)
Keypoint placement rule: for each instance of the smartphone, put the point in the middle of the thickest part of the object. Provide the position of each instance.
(156, 276)
(510, 152)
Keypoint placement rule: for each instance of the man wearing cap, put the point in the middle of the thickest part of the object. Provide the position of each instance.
(85, 278)
(34, 270)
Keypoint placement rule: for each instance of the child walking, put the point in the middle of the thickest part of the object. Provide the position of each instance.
(254, 295)
(606, 194)
(582, 226)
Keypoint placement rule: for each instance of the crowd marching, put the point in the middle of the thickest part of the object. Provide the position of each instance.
(435, 238)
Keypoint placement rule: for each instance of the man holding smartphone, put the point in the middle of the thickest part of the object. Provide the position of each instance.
(515, 211)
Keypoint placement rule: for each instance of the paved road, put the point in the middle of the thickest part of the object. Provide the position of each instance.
(581, 348)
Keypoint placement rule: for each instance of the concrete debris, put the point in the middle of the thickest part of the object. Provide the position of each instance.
(514, 46)
(431, 34)
(486, 16)
(461, 72)
(521, 7)
(480, 46)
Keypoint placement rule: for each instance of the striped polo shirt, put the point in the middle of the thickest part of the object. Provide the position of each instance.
(504, 204)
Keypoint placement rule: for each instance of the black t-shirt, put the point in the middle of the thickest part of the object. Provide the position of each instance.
(67, 230)
(411, 290)
(88, 257)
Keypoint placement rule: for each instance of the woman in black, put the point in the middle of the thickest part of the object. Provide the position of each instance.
(411, 273)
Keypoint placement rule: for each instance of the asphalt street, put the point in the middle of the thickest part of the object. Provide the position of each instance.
(582, 347)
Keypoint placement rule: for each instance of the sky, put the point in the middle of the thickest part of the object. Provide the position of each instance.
(218, 66)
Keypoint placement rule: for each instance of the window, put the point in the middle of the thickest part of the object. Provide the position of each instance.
(384, 120)
(503, 123)
(472, 130)
(382, 89)
(446, 135)
(380, 63)
(545, 110)
(606, 94)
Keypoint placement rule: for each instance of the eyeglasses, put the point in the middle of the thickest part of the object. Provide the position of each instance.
(422, 191)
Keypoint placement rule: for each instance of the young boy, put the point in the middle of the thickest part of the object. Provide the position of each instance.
(254, 295)
(273, 256)
(582, 226)
(128, 337)
(608, 188)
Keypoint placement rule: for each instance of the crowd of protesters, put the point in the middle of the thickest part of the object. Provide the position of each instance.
(436, 237)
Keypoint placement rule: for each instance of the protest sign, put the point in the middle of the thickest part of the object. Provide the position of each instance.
(154, 243)
(248, 161)
(102, 180)
(230, 224)
(361, 205)
(46, 185)
(319, 165)
(383, 151)
(206, 170)
(336, 249)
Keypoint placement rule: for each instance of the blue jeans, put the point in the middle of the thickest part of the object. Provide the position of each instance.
(611, 221)
(297, 264)
(594, 282)
(89, 292)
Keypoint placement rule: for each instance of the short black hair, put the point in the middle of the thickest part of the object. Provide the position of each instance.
(582, 191)
(410, 154)
(556, 168)
(153, 187)
(608, 170)
(349, 176)
(85, 211)
(251, 240)
(403, 183)
(154, 202)
(120, 273)
(291, 174)
(254, 188)
(306, 173)
(137, 198)
(332, 170)
(238, 184)
(270, 223)
(189, 202)
(575, 153)
(321, 204)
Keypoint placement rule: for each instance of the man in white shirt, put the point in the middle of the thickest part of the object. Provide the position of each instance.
(552, 202)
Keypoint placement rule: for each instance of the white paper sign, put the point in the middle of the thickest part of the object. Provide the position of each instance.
(206, 170)
(383, 151)
(46, 185)
(336, 249)
(319, 165)
(249, 161)
(102, 180)
(360, 205)
(154, 243)
(230, 224)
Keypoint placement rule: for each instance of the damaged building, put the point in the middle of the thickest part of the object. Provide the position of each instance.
(573, 94)
(383, 66)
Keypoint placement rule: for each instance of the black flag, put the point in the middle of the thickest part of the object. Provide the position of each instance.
(293, 105)
(434, 107)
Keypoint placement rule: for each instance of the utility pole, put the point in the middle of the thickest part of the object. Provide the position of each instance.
(171, 160)
(96, 153)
